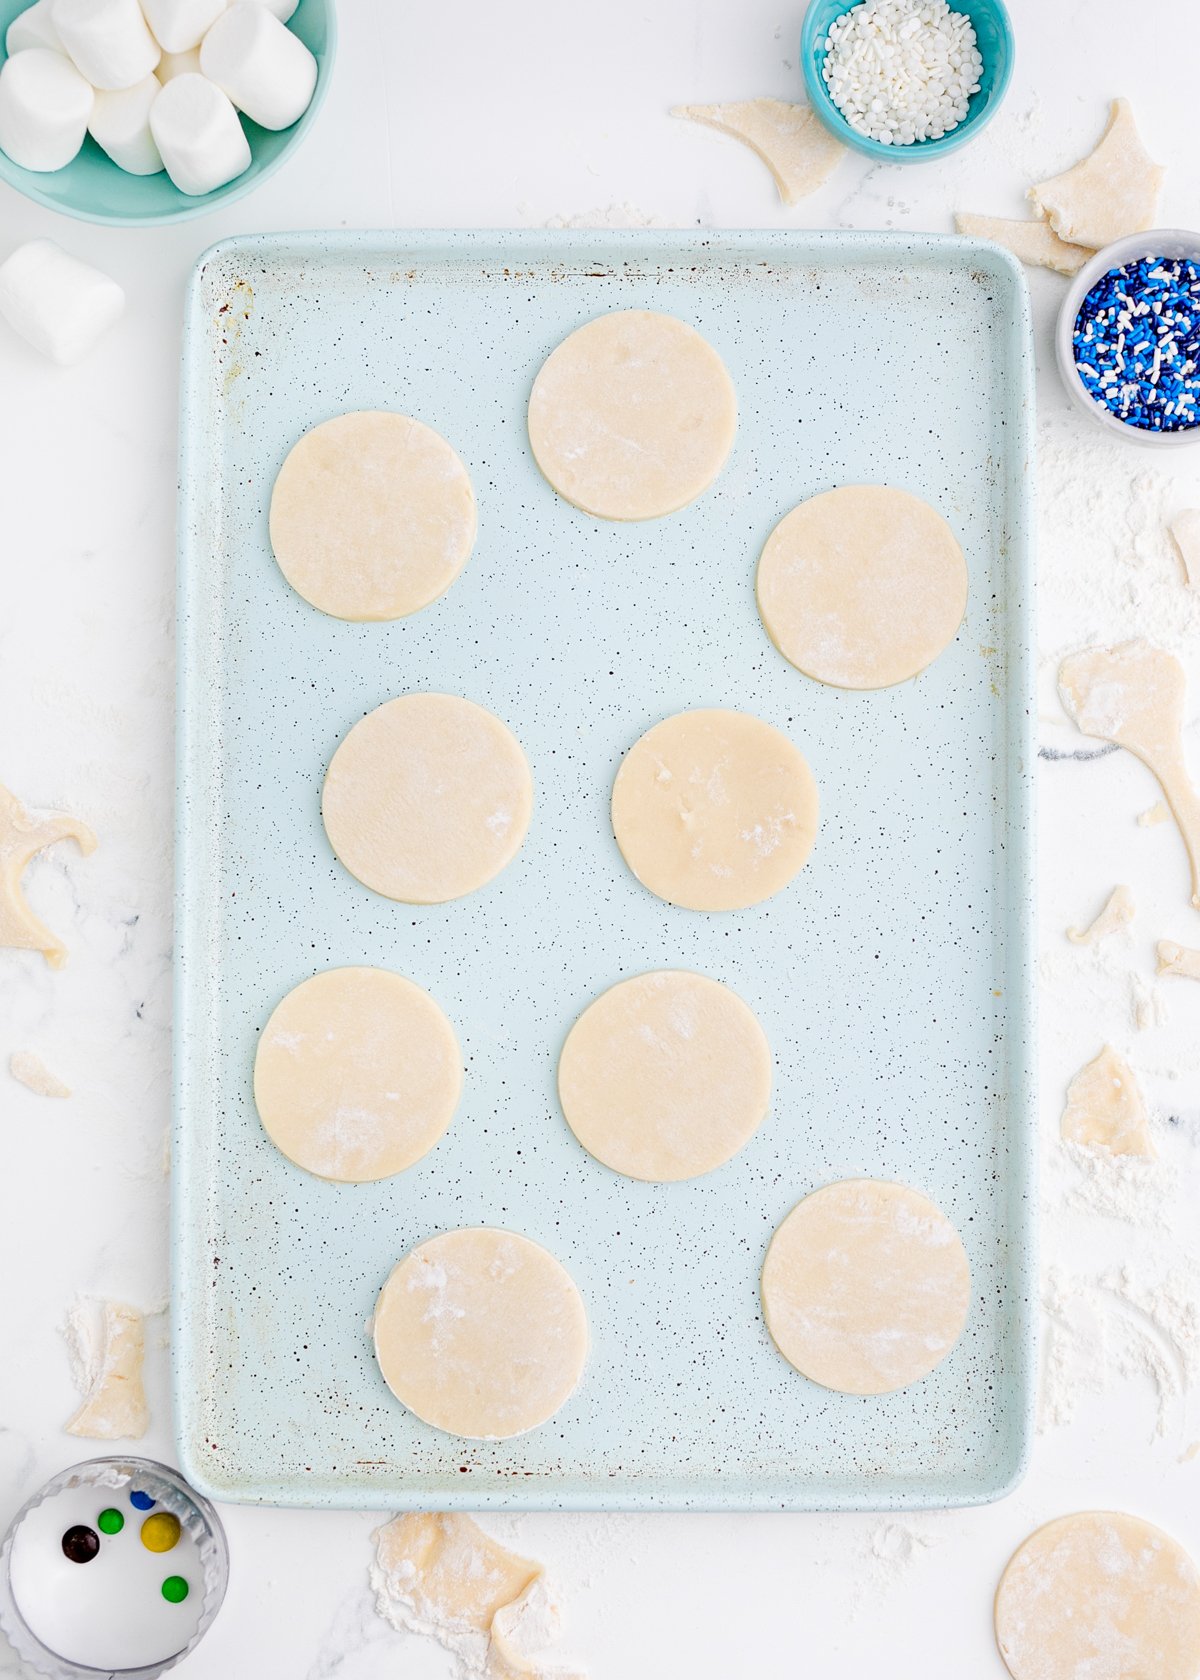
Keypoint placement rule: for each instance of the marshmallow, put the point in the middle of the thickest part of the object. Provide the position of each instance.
(120, 126)
(33, 28)
(44, 109)
(198, 133)
(181, 24)
(108, 40)
(61, 305)
(282, 9)
(266, 70)
(171, 65)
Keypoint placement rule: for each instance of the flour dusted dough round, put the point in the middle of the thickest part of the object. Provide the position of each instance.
(427, 798)
(372, 516)
(865, 1286)
(714, 810)
(665, 1076)
(632, 416)
(357, 1074)
(862, 587)
(481, 1333)
(1100, 1595)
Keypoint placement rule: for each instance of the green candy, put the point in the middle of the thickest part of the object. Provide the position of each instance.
(174, 1589)
(110, 1522)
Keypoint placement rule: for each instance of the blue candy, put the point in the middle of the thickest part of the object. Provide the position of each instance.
(1137, 343)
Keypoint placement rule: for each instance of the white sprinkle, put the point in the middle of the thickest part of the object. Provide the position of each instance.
(902, 70)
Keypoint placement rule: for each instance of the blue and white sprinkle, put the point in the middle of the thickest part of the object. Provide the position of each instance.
(1137, 343)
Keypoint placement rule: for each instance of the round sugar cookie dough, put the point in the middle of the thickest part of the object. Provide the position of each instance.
(372, 516)
(427, 798)
(865, 1286)
(357, 1074)
(481, 1333)
(862, 587)
(665, 1076)
(714, 810)
(1099, 1594)
(632, 416)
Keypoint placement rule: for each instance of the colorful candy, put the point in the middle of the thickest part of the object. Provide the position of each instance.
(174, 1589)
(110, 1521)
(80, 1544)
(1137, 343)
(160, 1532)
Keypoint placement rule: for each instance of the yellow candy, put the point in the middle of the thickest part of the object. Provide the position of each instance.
(160, 1532)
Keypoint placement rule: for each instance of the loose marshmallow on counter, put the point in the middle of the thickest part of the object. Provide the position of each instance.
(120, 126)
(33, 27)
(108, 40)
(44, 109)
(181, 24)
(266, 70)
(196, 129)
(171, 65)
(59, 304)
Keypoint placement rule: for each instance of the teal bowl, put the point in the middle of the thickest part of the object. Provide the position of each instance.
(93, 189)
(994, 34)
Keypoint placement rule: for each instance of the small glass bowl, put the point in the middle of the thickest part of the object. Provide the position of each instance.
(168, 1489)
(1158, 242)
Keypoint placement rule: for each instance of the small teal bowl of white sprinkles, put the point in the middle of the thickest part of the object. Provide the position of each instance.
(883, 66)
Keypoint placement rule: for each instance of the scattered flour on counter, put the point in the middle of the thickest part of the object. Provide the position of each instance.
(613, 216)
(897, 1546)
(1147, 1005)
(1126, 1187)
(1116, 1324)
(1110, 570)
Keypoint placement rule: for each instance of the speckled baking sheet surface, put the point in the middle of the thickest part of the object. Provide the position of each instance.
(892, 977)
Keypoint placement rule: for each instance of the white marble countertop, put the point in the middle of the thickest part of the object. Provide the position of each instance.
(467, 115)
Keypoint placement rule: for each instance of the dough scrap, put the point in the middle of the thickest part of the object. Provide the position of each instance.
(665, 1076)
(1105, 1108)
(106, 1341)
(1178, 959)
(863, 586)
(866, 1286)
(357, 1074)
(1099, 1594)
(632, 416)
(31, 1070)
(22, 836)
(791, 140)
(372, 516)
(442, 1576)
(1134, 695)
(427, 798)
(1030, 241)
(1185, 529)
(1157, 813)
(1112, 192)
(1117, 913)
(714, 810)
(481, 1333)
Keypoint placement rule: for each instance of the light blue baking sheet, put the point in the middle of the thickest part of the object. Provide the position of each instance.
(893, 977)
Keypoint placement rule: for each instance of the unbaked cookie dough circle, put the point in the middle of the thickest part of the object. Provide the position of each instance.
(665, 1076)
(372, 516)
(714, 810)
(427, 798)
(865, 1286)
(632, 416)
(357, 1074)
(1099, 1593)
(481, 1333)
(862, 587)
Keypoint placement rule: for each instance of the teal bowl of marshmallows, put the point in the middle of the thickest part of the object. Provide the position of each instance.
(906, 81)
(207, 132)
